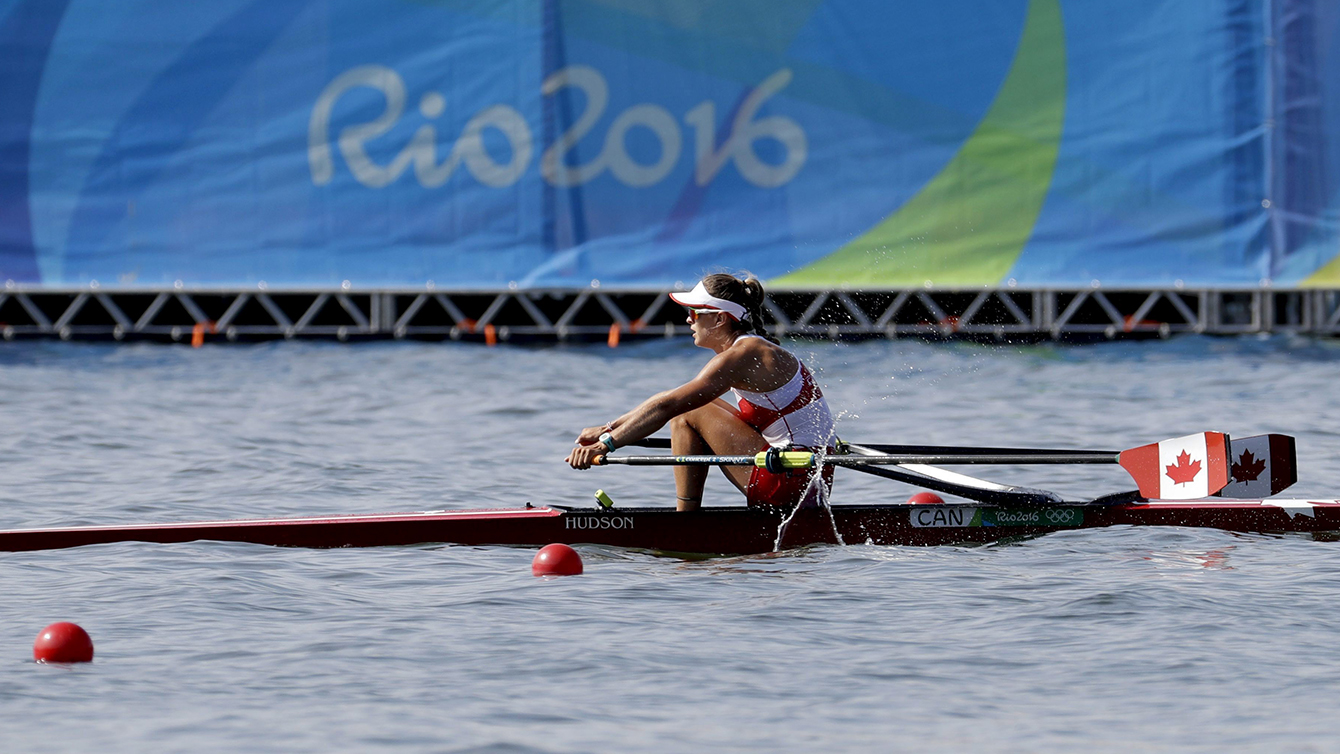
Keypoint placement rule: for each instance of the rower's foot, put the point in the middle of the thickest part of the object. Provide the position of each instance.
(688, 503)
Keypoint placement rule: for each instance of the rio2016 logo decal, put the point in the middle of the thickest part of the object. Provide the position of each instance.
(421, 151)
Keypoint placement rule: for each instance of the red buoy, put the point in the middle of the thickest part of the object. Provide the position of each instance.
(925, 498)
(556, 560)
(63, 642)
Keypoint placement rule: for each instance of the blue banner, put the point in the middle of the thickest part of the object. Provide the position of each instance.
(550, 143)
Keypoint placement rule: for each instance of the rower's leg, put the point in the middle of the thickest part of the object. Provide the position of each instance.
(689, 480)
(717, 429)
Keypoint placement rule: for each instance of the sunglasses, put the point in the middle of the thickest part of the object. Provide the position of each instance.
(694, 313)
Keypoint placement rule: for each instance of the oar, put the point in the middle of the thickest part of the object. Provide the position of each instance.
(1035, 453)
(1181, 468)
(967, 487)
(923, 476)
(799, 459)
(987, 455)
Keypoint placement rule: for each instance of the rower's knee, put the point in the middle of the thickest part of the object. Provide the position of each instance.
(690, 419)
(680, 423)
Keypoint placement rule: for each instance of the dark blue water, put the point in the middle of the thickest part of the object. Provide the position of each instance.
(1097, 640)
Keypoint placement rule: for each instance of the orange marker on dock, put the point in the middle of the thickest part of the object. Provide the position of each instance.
(198, 333)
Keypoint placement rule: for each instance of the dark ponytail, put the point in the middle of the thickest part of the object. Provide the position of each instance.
(747, 293)
(753, 301)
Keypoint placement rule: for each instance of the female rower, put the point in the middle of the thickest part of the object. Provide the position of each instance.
(780, 404)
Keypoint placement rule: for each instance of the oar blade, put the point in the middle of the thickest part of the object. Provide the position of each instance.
(1260, 466)
(1183, 468)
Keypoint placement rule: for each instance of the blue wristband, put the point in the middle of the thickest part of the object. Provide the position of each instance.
(608, 440)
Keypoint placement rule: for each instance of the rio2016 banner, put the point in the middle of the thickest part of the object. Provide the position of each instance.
(550, 143)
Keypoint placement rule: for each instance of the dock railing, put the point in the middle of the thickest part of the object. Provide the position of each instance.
(182, 314)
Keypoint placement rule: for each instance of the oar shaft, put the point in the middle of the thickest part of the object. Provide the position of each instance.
(1012, 459)
(676, 460)
(956, 451)
(871, 460)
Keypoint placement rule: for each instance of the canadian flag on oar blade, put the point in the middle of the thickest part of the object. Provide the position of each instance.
(1183, 468)
(1260, 466)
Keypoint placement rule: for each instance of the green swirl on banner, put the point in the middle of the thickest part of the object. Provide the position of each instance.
(969, 224)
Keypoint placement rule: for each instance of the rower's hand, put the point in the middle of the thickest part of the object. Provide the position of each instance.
(591, 435)
(583, 456)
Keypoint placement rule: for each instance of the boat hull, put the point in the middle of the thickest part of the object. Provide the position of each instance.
(725, 530)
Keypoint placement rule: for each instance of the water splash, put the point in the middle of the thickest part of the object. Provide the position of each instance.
(817, 495)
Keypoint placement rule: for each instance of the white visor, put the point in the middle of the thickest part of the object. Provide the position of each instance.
(699, 298)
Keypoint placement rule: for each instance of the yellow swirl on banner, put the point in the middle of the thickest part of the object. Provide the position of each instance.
(969, 224)
(1328, 276)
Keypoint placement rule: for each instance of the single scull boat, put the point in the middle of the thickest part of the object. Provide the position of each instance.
(723, 530)
(1177, 480)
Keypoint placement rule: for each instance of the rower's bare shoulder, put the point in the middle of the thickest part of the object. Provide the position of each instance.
(767, 349)
(756, 354)
(752, 350)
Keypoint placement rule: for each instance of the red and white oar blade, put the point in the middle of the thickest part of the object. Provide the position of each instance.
(1183, 468)
(1260, 466)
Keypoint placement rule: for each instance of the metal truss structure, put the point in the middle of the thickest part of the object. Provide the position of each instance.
(200, 316)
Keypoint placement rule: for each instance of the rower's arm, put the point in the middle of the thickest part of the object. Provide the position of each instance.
(652, 414)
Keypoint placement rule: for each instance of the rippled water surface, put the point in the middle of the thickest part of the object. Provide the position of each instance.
(1095, 640)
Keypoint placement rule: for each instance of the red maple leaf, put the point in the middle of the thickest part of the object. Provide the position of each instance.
(1248, 467)
(1185, 470)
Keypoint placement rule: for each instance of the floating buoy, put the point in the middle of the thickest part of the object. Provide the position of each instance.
(556, 560)
(925, 498)
(63, 642)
